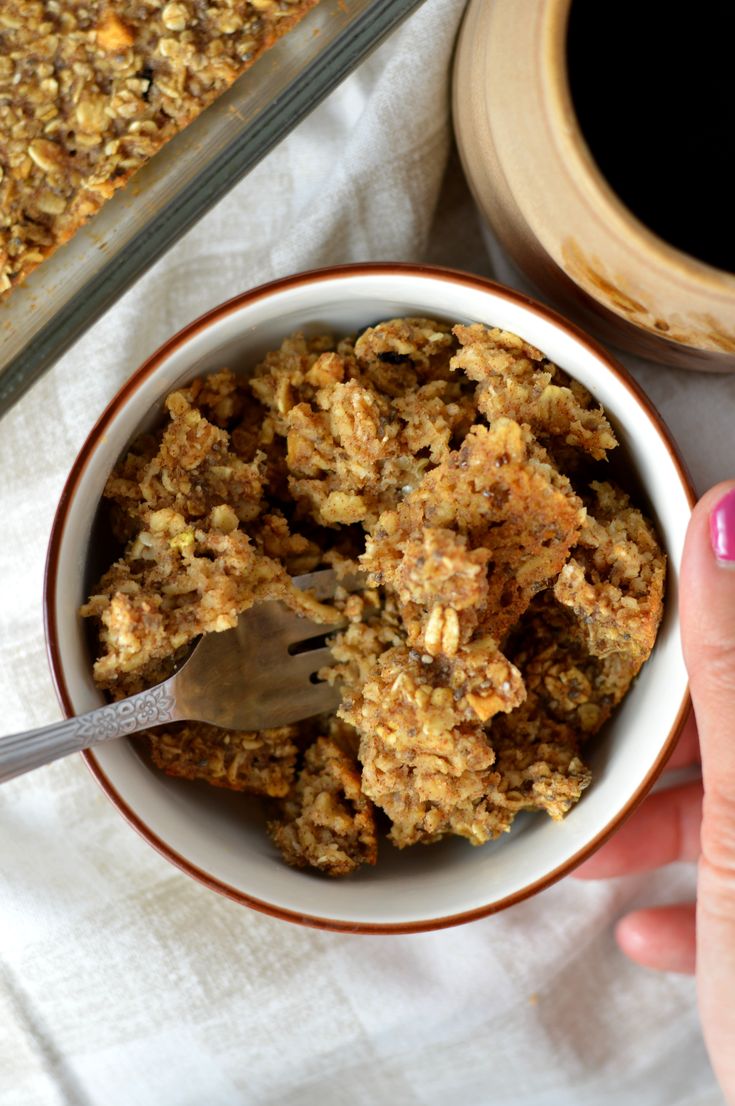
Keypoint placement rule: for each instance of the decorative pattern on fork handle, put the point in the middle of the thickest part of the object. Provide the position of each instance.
(148, 708)
(21, 752)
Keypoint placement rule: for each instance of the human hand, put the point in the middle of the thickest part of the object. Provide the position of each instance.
(695, 820)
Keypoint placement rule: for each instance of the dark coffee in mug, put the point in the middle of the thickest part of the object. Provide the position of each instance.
(653, 86)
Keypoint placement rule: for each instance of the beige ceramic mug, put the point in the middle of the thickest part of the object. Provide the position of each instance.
(537, 184)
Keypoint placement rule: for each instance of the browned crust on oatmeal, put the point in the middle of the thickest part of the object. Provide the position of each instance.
(425, 756)
(548, 776)
(89, 92)
(483, 532)
(261, 763)
(614, 581)
(363, 422)
(516, 381)
(326, 822)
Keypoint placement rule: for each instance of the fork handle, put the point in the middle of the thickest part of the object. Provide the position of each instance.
(22, 752)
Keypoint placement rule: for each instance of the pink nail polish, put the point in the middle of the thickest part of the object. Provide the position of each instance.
(722, 530)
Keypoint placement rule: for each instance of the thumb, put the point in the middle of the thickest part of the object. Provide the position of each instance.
(708, 638)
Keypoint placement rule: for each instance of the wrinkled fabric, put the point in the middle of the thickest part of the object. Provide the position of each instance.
(124, 982)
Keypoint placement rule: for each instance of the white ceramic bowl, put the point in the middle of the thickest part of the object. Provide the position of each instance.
(218, 837)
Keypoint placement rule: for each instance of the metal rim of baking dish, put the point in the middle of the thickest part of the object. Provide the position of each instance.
(49, 592)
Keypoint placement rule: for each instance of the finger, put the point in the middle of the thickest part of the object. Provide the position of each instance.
(662, 937)
(708, 632)
(708, 636)
(687, 747)
(665, 828)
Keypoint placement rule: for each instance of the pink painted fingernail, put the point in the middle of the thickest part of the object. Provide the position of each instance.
(722, 530)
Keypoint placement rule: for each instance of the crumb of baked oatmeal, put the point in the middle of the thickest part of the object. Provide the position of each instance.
(614, 580)
(517, 515)
(547, 776)
(426, 759)
(420, 344)
(326, 821)
(192, 471)
(515, 380)
(363, 424)
(298, 554)
(260, 763)
(374, 626)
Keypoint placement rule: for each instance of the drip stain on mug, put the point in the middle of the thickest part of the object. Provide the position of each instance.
(653, 86)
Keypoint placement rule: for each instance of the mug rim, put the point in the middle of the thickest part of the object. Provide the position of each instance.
(544, 199)
(606, 201)
(96, 436)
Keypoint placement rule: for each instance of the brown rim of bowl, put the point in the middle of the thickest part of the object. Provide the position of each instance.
(80, 464)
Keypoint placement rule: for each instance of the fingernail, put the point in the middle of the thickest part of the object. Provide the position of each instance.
(722, 530)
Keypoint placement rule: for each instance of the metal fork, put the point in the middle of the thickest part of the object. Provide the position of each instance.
(246, 678)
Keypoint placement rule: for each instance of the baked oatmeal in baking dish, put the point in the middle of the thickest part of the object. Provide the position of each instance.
(513, 591)
(90, 91)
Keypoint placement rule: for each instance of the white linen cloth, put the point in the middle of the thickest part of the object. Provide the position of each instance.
(123, 982)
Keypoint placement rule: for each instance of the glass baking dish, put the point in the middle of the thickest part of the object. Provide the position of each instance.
(72, 288)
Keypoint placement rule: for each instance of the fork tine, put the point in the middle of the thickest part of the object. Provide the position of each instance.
(303, 629)
(273, 626)
(245, 679)
(322, 582)
(273, 706)
(319, 699)
(325, 581)
(303, 702)
(303, 665)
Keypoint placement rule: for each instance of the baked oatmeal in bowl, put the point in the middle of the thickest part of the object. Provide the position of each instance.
(509, 671)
